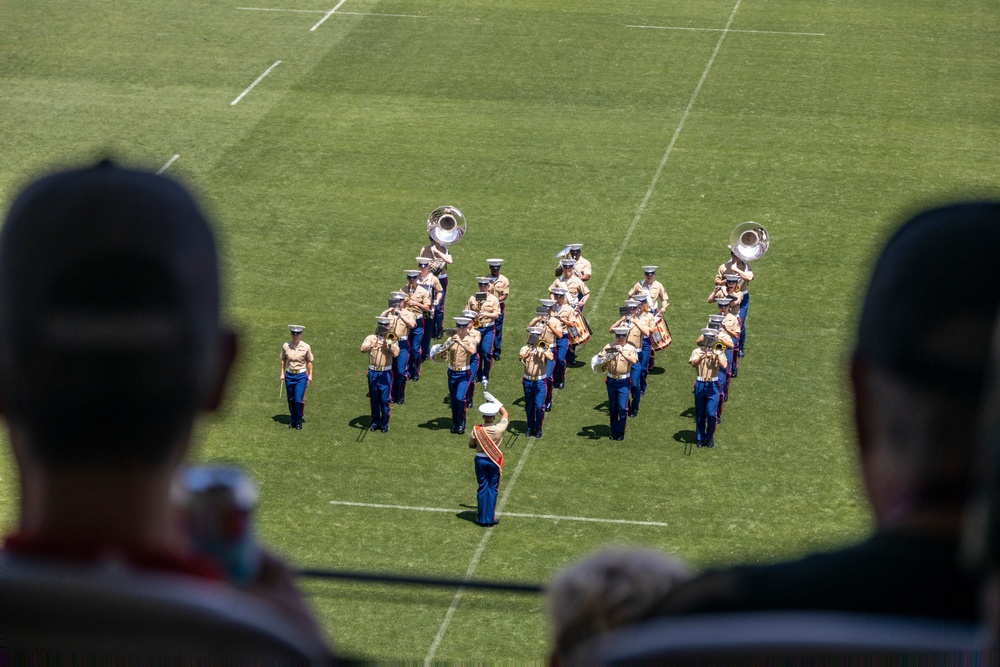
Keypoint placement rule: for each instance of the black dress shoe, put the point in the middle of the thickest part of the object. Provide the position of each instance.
(496, 355)
(547, 407)
(373, 428)
(291, 425)
(560, 385)
(415, 378)
(699, 445)
(385, 429)
(400, 401)
(735, 373)
(299, 426)
(633, 414)
(454, 430)
(741, 353)
(538, 433)
(461, 429)
(711, 443)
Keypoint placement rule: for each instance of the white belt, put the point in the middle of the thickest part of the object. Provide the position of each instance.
(532, 378)
(379, 368)
(715, 379)
(459, 369)
(617, 377)
(295, 372)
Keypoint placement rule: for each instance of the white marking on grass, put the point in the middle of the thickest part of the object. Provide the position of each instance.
(554, 517)
(759, 32)
(666, 156)
(259, 78)
(328, 15)
(323, 11)
(167, 165)
(474, 563)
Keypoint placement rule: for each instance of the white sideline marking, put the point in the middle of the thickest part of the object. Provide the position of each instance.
(554, 517)
(167, 165)
(759, 32)
(474, 563)
(666, 155)
(328, 15)
(321, 11)
(259, 78)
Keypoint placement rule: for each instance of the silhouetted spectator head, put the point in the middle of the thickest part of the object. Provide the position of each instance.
(110, 338)
(921, 359)
(606, 591)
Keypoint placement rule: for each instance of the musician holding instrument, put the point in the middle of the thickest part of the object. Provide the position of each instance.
(535, 355)
(499, 287)
(639, 325)
(401, 321)
(485, 439)
(382, 347)
(487, 308)
(474, 361)
(726, 343)
(747, 242)
(418, 302)
(616, 360)
(573, 251)
(429, 282)
(730, 290)
(565, 315)
(553, 331)
(709, 360)
(445, 226)
(577, 294)
(652, 288)
(296, 373)
(460, 347)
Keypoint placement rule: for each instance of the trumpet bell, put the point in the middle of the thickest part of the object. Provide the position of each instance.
(542, 345)
(749, 241)
(446, 225)
(391, 338)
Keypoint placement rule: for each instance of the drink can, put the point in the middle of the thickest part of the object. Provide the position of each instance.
(217, 504)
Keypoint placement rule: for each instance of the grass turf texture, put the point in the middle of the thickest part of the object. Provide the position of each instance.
(544, 122)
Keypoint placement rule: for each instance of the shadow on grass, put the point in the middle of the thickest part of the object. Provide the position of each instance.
(282, 419)
(437, 424)
(686, 437)
(602, 407)
(688, 413)
(576, 364)
(519, 401)
(519, 426)
(595, 432)
(362, 422)
(468, 515)
(656, 370)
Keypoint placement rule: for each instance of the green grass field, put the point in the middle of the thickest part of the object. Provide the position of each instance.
(546, 122)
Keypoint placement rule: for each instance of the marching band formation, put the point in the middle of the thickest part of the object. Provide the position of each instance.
(415, 317)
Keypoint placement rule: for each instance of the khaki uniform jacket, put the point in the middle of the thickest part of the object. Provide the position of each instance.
(380, 352)
(432, 285)
(460, 354)
(620, 365)
(419, 297)
(499, 288)
(296, 358)
(402, 323)
(727, 268)
(534, 361)
(495, 431)
(655, 292)
(490, 307)
(708, 363)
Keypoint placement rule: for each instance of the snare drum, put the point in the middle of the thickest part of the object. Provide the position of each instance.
(577, 330)
(659, 337)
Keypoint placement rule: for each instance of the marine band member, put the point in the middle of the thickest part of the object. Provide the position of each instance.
(707, 390)
(652, 288)
(535, 355)
(583, 267)
(553, 333)
(485, 439)
(461, 346)
(499, 287)
(296, 373)
(418, 302)
(401, 321)
(380, 356)
(639, 325)
(743, 270)
(429, 282)
(565, 314)
(487, 310)
(475, 361)
(616, 360)
(440, 259)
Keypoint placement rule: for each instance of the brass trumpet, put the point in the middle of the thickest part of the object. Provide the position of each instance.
(439, 352)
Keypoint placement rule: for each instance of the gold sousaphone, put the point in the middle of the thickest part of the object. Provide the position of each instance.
(749, 241)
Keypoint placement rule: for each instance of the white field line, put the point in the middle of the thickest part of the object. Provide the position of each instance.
(259, 79)
(759, 32)
(663, 161)
(553, 517)
(474, 563)
(167, 165)
(328, 15)
(322, 11)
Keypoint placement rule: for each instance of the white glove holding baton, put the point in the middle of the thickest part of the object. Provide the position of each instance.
(489, 397)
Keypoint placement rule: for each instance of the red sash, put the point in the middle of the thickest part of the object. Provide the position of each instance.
(488, 446)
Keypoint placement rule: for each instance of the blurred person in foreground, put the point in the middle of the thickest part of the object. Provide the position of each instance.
(981, 540)
(606, 591)
(918, 374)
(110, 345)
